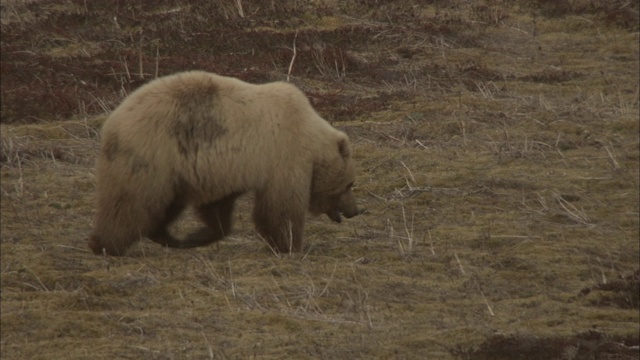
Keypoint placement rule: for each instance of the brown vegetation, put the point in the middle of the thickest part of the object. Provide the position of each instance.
(498, 156)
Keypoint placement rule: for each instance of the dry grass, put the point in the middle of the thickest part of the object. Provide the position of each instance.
(498, 163)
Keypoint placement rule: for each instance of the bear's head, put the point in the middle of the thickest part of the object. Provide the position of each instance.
(333, 177)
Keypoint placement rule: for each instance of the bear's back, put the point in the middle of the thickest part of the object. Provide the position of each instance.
(196, 110)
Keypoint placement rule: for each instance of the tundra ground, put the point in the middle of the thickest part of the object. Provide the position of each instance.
(497, 152)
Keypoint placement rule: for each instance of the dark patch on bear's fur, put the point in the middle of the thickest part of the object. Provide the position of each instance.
(193, 134)
(111, 147)
(138, 164)
(196, 125)
(196, 95)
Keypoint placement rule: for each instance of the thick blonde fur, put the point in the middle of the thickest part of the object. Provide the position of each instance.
(202, 140)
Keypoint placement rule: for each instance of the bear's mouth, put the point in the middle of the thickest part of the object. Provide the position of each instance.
(336, 215)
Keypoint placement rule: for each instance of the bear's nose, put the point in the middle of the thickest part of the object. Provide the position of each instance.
(335, 215)
(351, 211)
(350, 214)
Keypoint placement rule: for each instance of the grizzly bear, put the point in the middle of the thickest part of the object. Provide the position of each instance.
(202, 140)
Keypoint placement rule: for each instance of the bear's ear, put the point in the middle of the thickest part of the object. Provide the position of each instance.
(343, 147)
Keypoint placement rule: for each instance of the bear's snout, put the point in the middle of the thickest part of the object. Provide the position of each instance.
(351, 212)
(336, 214)
(346, 207)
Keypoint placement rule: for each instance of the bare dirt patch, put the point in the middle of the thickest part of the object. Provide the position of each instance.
(497, 150)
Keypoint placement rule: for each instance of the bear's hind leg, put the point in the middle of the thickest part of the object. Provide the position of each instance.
(160, 234)
(217, 216)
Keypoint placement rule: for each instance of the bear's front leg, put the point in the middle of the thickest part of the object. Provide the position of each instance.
(281, 224)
